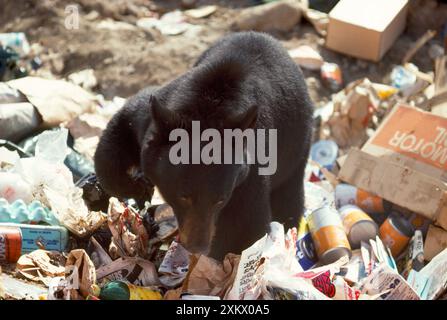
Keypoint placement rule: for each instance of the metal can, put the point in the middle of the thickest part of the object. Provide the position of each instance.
(10, 244)
(346, 194)
(358, 225)
(325, 153)
(328, 234)
(331, 76)
(305, 250)
(396, 232)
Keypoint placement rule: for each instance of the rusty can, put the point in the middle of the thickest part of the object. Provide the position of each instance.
(346, 194)
(396, 232)
(358, 225)
(10, 244)
(331, 76)
(328, 234)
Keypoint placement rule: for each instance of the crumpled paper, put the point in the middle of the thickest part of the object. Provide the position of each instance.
(82, 270)
(207, 277)
(41, 265)
(175, 265)
(210, 277)
(134, 270)
(129, 236)
(353, 109)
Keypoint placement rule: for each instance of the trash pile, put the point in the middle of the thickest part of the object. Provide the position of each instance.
(375, 220)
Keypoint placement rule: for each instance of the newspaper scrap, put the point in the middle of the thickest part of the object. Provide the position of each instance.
(437, 271)
(389, 284)
(129, 236)
(134, 270)
(415, 255)
(174, 266)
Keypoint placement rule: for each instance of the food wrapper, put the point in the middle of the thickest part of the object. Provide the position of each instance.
(129, 236)
(415, 255)
(273, 253)
(175, 265)
(209, 277)
(389, 284)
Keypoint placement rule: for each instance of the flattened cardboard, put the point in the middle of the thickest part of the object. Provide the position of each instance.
(398, 184)
(435, 242)
(405, 162)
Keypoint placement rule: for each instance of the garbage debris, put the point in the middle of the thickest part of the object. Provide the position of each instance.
(372, 27)
(10, 244)
(57, 101)
(331, 76)
(129, 236)
(358, 225)
(374, 225)
(172, 23)
(201, 12)
(435, 242)
(16, 41)
(307, 57)
(41, 265)
(408, 150)
(118, 290)
(328, 234)
(280, 15)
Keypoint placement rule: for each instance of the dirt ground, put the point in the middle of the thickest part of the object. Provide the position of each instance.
(126, 58)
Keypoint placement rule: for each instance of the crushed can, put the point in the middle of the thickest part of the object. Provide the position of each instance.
(358, 225)
(328, 234)
(396, 232)
(305, 250)
(331, 76)
(10, 244)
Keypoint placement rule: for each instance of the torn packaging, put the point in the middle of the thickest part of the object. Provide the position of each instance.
(353, 109)
(132, 269)
(129, 236)
(210, 277)
(389, 284)
(405, 162)
(78, 259)
(435, 242)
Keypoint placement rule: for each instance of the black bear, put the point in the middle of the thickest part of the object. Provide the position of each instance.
(244, 81)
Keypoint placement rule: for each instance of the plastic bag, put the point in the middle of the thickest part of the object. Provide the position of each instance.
(13, 187)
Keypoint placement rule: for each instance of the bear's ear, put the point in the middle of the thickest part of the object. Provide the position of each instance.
(246, 119)
(163, 116)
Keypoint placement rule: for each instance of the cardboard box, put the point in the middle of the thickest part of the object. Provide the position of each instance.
(405, 162)
(366, 29)
(435, 242)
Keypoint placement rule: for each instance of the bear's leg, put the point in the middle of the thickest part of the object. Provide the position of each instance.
(288, 199)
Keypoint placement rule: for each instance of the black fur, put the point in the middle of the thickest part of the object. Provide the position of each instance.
(244, 80)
